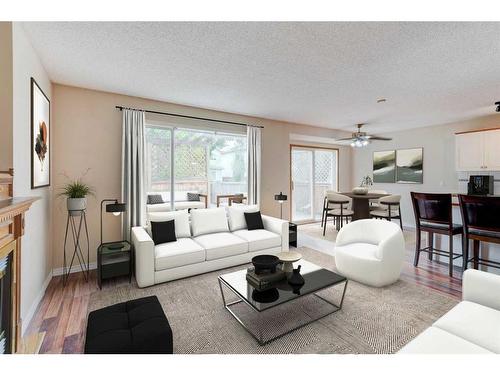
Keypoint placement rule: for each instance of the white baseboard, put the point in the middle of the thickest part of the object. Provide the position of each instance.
(27, 319)
(75, 268)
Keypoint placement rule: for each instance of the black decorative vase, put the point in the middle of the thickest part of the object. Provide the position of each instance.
(296, 278)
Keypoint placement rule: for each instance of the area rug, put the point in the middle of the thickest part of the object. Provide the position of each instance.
(372, 320)
(316, 230)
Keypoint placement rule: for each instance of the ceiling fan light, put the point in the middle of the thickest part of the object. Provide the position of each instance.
(365, 142)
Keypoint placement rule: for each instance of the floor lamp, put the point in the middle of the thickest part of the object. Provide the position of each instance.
(116, 209)
(280, 198)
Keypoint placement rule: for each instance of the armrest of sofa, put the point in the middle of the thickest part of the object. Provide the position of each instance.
(280, 227)
(482, 288)
(144, 249)
(205, 197)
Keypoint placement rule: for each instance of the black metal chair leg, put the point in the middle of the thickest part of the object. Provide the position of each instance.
(465, 251)
(417, 248)
(323, 215)
(400, 219)
(430, 240)
(450, 266)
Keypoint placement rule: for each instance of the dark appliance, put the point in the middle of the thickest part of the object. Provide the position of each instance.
(480, 185)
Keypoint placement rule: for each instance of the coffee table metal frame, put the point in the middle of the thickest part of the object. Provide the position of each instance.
(244, 300)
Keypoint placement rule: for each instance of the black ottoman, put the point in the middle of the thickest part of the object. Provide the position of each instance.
(138, 326)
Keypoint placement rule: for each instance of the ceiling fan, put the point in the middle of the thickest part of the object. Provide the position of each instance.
(361, 139)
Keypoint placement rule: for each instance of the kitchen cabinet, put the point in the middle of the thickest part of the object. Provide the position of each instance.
(478, 150)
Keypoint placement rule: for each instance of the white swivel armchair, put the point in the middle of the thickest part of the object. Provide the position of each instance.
(370, 251)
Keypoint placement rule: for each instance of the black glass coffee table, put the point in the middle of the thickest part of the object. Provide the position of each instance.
(316, 280)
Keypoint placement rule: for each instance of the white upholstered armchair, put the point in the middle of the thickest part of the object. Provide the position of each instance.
(370, 251)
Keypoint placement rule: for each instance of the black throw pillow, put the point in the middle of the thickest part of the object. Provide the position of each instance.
(163, 231)
(193, 197)
(254, 220)
(155, 199)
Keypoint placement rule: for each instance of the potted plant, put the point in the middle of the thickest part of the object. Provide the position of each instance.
(76, 192)
(363, 188)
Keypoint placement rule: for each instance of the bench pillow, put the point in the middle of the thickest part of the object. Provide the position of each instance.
(181, 218)
(236, 215)
(209, 220)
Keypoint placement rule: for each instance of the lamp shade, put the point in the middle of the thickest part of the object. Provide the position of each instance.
(116, 207)
(280, 197)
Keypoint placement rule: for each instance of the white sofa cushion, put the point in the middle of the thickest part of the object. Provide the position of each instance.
(437, 341)
(178, 253)
(236, 215)
(181, 218)
(209, 220)
(259, 239)
(475, 323)
(221, 245)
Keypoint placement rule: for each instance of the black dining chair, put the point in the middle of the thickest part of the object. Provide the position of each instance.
(433, 214)
(481, 218)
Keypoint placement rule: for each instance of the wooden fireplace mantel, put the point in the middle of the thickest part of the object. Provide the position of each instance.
(12, 212)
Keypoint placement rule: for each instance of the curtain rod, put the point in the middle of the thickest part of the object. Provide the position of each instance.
(190, 117)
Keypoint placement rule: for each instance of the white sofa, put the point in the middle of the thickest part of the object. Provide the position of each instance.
(207, 240)
(471, 327)
(370, 251)
(181, 202)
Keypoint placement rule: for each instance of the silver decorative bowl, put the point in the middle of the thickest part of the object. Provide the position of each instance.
(360, 190)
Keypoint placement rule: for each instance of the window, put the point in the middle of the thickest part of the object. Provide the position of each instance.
(204, 162)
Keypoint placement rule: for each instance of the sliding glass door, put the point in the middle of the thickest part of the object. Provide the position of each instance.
(313, 171)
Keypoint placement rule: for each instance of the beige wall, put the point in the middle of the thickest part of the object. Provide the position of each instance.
(88, 135)
(5, 96)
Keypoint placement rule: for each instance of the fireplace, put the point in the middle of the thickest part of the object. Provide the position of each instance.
(12, 212)
(6, 305)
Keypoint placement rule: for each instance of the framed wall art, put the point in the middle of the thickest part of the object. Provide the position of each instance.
(384, 166)
(410, 166)
(40, 137)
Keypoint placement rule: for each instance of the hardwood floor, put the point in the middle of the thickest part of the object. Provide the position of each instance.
(62, 313)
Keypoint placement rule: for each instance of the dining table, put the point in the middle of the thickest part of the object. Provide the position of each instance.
(361, 203)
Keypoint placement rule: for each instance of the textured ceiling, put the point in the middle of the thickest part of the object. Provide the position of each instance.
(325, 74)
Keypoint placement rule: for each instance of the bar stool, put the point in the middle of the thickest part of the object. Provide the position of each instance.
(390, 208)
(433, 215)
(340, 213)
(481, 224)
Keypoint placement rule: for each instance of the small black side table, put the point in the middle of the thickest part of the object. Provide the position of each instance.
(114, 259)
(292, 234)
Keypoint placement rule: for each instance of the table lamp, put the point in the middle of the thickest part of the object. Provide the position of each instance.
(115, 208)
(280, 198)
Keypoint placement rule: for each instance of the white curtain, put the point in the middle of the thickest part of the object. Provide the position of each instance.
(254, 163)
(133, 170)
